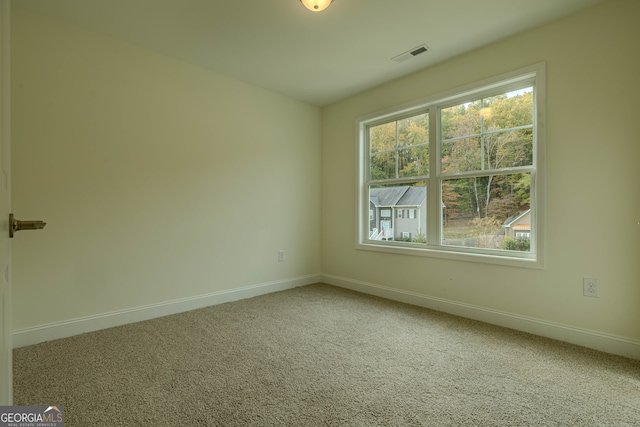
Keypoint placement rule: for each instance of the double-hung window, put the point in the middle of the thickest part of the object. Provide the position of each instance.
(469, 163)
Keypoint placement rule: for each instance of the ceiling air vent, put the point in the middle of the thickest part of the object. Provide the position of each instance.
(411, 53)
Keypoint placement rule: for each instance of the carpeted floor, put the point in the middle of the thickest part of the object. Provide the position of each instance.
(324, 356)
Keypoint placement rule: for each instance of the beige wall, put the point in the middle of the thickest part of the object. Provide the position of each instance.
(158, 180)
(593, 207)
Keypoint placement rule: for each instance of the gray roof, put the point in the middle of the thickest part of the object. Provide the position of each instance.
(413, 197)
(509, 221)
(398, 196)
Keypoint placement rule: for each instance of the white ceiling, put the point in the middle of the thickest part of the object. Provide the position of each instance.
(320, 57)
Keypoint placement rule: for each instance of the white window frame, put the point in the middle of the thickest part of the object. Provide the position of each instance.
(529, 76)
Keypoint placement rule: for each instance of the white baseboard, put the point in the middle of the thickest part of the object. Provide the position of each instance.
(583, 337)
(52, 331)
(592, 339)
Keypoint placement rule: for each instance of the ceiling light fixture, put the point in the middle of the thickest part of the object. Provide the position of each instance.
(316, 5)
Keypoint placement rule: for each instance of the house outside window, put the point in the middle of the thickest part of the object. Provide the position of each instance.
(475, 156)
(398, 198)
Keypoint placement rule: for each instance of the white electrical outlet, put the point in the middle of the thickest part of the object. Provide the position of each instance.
(591, 287)
(281, 256)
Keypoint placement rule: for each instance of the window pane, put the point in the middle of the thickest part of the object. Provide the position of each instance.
(486, 118)
(461, 155)
(508, 149)
(382, 137)
(487, 212)
(386, 199)
(383, 166)
(413, 130)
(508, 110)
(413, 161)
(460, 120)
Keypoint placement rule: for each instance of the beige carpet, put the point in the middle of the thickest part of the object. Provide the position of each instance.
(324, 356)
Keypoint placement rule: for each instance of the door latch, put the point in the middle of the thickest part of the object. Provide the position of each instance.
(17, 225)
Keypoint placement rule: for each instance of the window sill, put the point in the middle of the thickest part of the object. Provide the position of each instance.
(454, 254)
